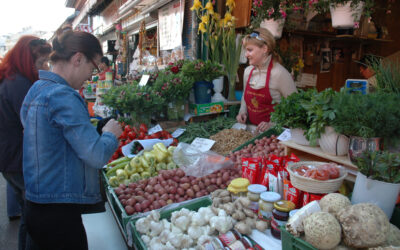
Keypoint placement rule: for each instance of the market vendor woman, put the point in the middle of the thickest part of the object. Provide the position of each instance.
(266, 81)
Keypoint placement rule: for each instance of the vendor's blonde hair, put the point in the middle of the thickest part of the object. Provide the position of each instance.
(269, 40)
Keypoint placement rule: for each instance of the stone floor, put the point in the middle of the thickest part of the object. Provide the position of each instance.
(8, 229)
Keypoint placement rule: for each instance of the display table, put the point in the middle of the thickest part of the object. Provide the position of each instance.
(306, 153)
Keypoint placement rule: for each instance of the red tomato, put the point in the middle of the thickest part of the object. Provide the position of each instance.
(132, 135)
(156, 135)
(134, 129)
(123, 135)
(148, 137)
(115, 155)
(123, 124)
(127, 129)
(143, 128)
(141, 135)
(128, 141)
(168, 136)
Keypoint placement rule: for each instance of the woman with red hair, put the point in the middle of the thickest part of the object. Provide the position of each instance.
(18, 71)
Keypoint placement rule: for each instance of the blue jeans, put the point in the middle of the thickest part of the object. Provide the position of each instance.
(16, 181)
(13, 206)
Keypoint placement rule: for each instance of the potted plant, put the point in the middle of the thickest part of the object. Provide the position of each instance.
(320, 114)
(290, 113)
(174, 86)
(202, 72)
(367, 119)
(138, 102)
(271, 14)
(378, 180)
(344, 13)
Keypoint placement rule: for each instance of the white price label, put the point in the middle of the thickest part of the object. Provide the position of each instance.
(285, 136)
(202, 144)
(155, 129)
(144, 80)
(239, 126)
(178, 132)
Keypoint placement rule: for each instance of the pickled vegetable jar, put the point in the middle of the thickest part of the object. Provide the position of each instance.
(253, 193)
(280, 216)
(266, 205)
(238, 187)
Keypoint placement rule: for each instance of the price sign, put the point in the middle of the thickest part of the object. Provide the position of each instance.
(202, 144)
(155, 129)
(285, 136)
(178, 132)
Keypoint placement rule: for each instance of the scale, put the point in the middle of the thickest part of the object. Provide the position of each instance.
(357, 85)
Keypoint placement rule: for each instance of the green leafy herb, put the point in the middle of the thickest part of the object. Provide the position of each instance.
(380, 165)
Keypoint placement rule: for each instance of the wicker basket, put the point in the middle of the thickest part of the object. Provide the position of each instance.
(311, 185)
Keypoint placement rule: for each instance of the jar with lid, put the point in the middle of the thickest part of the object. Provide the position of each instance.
(253, 193)
(213, 244)
(238, 187)
(229, 237)
(241, 244)
(280, 216)
(266, 205)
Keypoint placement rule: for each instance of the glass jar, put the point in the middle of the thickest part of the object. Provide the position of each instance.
(266, 205)
(241, 244)
(213, 244)
(238, 187)
(280, 216)
(253, 193)
(229, 237)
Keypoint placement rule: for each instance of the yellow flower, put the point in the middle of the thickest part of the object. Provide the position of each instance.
(301, 63)
(227, 18)
(230, 3)
(196, 5)
(209, 7)
(202, 28)
(216, 17)
(204, 19)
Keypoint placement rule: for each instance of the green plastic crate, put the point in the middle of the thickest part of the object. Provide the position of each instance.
(269, 132)
(192, 205)
(290, 242)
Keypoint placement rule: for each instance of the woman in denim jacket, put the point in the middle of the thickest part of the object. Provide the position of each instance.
(62, 151)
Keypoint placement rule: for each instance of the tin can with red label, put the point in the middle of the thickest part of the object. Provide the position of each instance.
(229, 237)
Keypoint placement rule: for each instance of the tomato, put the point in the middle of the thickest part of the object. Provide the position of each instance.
(141, 135)
(132, 135)
(143, 128)
(148, 137)
(123, 124)
(127, 129)
(128, 141)
(115, 155)
(134, 129)
(156, 135)
(123, 135)
(168, 136)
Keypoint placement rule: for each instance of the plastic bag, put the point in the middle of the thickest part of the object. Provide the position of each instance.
(197, 163)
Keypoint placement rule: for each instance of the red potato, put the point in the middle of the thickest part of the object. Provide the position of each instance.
(146, 210)
(219, 181)
(213, 180)
(139, 198)
(185, 186)
(196, 188)
(145, 204)
(207, 182)
(164, 183)
(180, 173)
(171, 196)
(122, 186)
(152, 182)
(164, 197)
(199, 194)
(118, 191)
(129, 210)
(176, 178)
(170, 201)
(140, 193)
(149, 189)
(201, 185)
(156, 205)
(180, 191)
(131, 201)
(161, 191)
(132, 185)
(151, 198)
(181, 199)
(123, 202)
(190, 193)
(184, 180)
(138, 207)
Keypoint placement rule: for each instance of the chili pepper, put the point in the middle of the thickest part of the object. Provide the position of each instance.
(112, 172)
(119, 160)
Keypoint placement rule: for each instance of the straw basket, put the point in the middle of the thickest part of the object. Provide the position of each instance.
(312, 185)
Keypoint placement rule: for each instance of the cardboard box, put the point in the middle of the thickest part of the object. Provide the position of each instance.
(206, 108)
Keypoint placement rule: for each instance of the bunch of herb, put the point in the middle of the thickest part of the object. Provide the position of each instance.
(322, 7)
(320, 113)
(380, 166)
(373, 115)
(290, 112)
(387, 75)
(140, 102)
(206, 129)
(201, 70)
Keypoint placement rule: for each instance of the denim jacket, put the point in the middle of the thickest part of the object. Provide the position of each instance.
(62, 151)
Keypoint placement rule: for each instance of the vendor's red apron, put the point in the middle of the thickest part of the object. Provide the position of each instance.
(259, 101)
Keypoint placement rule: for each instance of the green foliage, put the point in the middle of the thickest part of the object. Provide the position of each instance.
(372, 115)
(138, 101)
(291, 113)
(201, 70)
(387, 75)
(380, 165)
(324, 6)
(320, 113)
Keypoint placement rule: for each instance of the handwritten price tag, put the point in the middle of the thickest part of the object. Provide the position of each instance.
(155, 129)
(178, 132)
(202, 144)
(285, 136)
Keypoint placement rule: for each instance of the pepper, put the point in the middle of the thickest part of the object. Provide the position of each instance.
(161, 166)
(112, 171)
(171, 165)
(171, 150)
(121, 175)
(144, 162)
(135, 162)
(160, 146)
(135, 177)
(129, 169)
(113, 181)
(146, 175)
(149, 156)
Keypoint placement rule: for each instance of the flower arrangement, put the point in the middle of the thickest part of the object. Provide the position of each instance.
(220, 38)
(296, 69)
(172, 83)
(273, 9)
(201, 70)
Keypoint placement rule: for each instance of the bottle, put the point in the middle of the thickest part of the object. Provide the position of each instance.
(280, 216)
(253, 193)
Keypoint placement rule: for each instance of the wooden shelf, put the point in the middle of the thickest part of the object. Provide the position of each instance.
(333, 36)
(306, 153)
